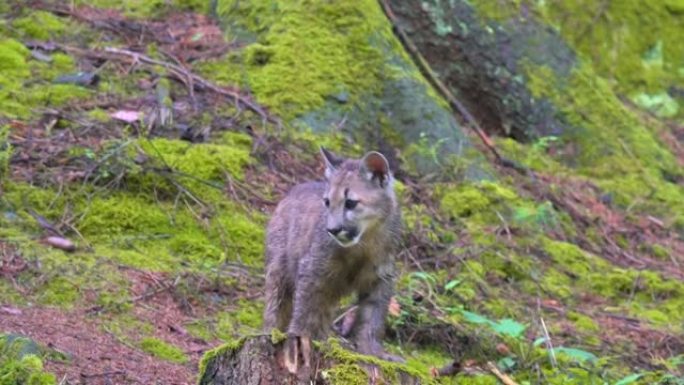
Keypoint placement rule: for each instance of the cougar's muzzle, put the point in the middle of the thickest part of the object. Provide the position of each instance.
(345, 236)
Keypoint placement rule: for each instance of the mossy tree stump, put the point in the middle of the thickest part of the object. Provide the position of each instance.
(252, 361)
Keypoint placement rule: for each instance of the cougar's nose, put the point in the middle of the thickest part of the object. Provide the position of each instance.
(335, 231)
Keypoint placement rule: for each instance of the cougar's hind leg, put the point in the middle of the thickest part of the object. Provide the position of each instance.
(278, 309)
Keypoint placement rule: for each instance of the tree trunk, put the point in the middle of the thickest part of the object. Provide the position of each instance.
(253, 362)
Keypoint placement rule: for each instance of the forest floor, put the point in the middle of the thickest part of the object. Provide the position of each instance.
(121, 316)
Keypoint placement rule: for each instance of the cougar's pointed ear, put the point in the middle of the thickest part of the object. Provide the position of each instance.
(332, 161)
(374, 166)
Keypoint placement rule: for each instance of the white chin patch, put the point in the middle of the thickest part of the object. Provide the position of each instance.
(346, 243)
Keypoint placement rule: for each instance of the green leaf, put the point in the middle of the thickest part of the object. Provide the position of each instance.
(452, 284)
(476, 318)
(629, 379)
(577, 354)
(676, 360)
(506, 363)
(452, 310)
(506, 326)
(509, 327)
(423, 276)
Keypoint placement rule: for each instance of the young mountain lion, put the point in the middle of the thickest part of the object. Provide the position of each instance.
(329, 239)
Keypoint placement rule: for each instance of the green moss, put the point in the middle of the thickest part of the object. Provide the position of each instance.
(132, 229)
(207, 161)
(59, 291)
(163, 350)
(428, 358)
(146, 234)
(572, 258)
(149, 222)
(39, 25)
(11, 294)
(250, 314)
(21, 364)
(277, 336)
(25, 84)
(15, 346)
(660, 104)
(616, 149)
(164, 220)
(307, 52)
(13, 57)
(63, 277)
(466, 202)
(533, 156)
(346, 374)
(210, 355)
(148, 9)
(333, 141)
(246, 318)
(27, 370)
(5, 153)
(349, 366)
(126, 327)
(484, 206)
(99, 115)
(123, 213)
(644, 294)
(469, 200)
(497, 10)
(583, 323)
(416, 218)
(660, 252)
(633, 45)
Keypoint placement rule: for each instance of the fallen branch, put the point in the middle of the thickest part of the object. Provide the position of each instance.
(163, 286)
(506, 380)
(178, 71)
(44, 223)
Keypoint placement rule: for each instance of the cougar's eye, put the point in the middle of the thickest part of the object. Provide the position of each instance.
(326, 201)
(350, 204)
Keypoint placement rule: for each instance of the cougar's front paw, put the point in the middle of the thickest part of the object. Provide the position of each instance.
(297, 355)
(376, 349)
(391, 357)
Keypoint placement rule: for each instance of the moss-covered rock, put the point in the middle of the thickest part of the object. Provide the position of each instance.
(635, 46)
(21, 363)
(327, 65)
(537, 87)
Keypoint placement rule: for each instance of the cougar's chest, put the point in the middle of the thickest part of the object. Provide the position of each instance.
(355, 272)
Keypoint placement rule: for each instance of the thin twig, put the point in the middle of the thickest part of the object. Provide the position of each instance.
(344, 314)
(163, 287)
(157, 291)
(506, 380)
(505, 225)
(44, 223)
(548, 343)
(180, 72)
